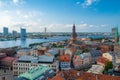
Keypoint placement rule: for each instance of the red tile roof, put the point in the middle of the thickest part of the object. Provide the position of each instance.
(9, 59)
(67, 75)
(2, 55)
(102, 60)
(73, 49)
(73, 74)
(91, 76)
(58, 77)
(65, 58)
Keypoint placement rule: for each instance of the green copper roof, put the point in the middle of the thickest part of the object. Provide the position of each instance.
(34, 73)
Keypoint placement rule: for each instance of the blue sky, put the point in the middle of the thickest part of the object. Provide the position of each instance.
(59, 15)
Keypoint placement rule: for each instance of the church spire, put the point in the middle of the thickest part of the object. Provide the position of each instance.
(74, 34)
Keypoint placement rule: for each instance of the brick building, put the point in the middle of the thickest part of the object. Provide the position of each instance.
(106, 47)
(102, 61)
(65, 62)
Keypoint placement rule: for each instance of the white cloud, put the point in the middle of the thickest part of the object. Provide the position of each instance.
(67, 27)
(14, 19)
(11, 3)
(77, 3)
(88, 3)
(15, 1)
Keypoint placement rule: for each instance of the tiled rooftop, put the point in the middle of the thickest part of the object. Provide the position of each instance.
(65, 58)
(10, 59)
(58, 77)
(91, 76)
(102, 60)
(77, 75)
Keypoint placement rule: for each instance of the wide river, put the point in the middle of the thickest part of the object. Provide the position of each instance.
(25, 43)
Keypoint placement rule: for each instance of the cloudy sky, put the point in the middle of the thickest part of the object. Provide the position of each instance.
(60, 15)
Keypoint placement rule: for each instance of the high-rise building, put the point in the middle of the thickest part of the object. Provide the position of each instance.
(113, 32)
(23, 34)
(5, 30)
(14, 33)
(116, 35)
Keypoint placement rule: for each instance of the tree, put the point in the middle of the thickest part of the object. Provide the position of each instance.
(54, 45)
(60, 46)
(108, 66)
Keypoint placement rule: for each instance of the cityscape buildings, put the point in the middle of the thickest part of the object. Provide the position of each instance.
(59, 40)
(61, 60)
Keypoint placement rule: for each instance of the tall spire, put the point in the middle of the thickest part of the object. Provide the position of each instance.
(74, 34)
(74, 28)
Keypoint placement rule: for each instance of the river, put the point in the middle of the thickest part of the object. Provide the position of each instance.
(25, 43)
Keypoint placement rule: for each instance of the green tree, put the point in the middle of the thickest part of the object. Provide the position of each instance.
(108, 66)
(60, 46)
(54, 45)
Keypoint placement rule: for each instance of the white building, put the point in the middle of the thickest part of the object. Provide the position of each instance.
(24, 63)
(96, 69)
(23, 34)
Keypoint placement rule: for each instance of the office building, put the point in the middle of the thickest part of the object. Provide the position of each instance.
(23, 34)
(5, 31)
(14, 33)
(116, 36)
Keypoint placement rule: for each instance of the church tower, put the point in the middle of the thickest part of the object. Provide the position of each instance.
(74, 34)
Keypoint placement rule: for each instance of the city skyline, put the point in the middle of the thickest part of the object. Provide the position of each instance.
(60, 15)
